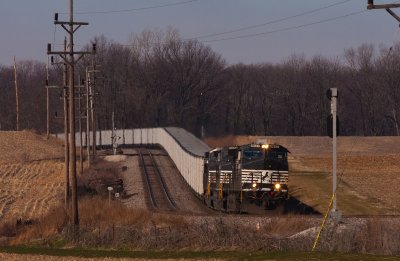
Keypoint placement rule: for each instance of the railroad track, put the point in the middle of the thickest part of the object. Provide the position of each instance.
(160, 198)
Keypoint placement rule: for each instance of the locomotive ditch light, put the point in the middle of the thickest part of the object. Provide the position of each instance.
(277, 186)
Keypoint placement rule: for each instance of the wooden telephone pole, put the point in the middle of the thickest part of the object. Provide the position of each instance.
(93, 88)
(47, 101)
(16, 93)
(387, 7)
(66, 132)
(92, 91)
(69, 57)
(64, 88)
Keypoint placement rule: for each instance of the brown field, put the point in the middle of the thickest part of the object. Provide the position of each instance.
(31, 175)
(368, 170)
(31, 172)
(31, 187)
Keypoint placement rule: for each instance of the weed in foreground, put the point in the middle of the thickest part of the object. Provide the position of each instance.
(104, 225)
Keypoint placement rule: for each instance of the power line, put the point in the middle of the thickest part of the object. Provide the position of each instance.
(283, 29)
(247, 27)
(274, 21)
(263, 33)
(136, 9)
(279, 20)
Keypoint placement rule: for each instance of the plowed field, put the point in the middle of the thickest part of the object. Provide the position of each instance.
(31, 175)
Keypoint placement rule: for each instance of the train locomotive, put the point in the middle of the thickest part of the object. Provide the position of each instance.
(252, 178)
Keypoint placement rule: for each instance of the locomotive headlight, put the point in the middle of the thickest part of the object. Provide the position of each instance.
(265, 146)
(277, 186)
(254, 185)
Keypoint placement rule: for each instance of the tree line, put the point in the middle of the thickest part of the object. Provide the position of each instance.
(160, 79)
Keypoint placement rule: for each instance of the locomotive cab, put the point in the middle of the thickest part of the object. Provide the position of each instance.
(276, 157)
(253, 174)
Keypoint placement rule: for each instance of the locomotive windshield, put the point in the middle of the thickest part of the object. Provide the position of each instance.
(268, 157)
(276, 158)
(258, 157)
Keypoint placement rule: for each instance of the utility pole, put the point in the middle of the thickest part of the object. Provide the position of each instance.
(91, 103)
(72, 153)
(16, 93)
(80, 125)
(66, 132)
(93, 90)
(87, 117)
(69, 57)
(47, 101)
(64, 88)
(113, 138)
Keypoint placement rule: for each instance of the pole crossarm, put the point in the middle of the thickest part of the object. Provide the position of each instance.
(387, 7)
(54, 87)
(65, 53)
(393, 14)
(383, 6)
(71, 24)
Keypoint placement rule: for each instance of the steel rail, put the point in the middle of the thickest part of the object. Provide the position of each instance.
(146, 178)
(161, 179)
(159, 196)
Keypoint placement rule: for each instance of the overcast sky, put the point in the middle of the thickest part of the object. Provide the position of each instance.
(26, 26)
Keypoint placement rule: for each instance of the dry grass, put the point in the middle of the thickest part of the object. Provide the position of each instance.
(96, 211)
(100, 175)
(42, 229)
(103, 226)
(375, 236)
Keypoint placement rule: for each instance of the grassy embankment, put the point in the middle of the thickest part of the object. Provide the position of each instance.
(229, 255)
